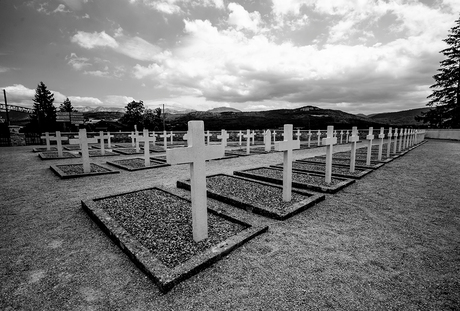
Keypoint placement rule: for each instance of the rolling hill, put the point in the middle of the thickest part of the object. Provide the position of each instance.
(400, 118)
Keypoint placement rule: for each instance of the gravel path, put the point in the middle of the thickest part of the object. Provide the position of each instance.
(390, 241)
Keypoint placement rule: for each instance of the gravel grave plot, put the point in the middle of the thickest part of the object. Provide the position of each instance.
(241, 152)
(43, 149)
(154, 227)
(76, 170)
(155, 149)
(256, 196)
(303, 180)
(127, 151)
(344, 162)
(106, 146)
(123, 145)
(72, 147)
(320, 168)
(53, 155)
(360, 157)
(97, 153)
(136, 164)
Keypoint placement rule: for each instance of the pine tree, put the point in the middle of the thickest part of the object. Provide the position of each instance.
(446, 91)
(66, 106)
(44, 115)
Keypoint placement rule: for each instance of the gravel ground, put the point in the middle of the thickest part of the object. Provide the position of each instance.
(134, 163)
(97, 153)
(322, 168)
(251, 192)
(390, 241)
(163, 224)
(74, 169)
(304, 178)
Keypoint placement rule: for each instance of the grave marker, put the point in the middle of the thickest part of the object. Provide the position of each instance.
(146, 138)
(341, 137)
(223, 136)
(274, 136)
(165, 137)
(309, 138)
(248, 137)
(287, 145)
(389, 142)
(369, 137)
(396, 141)
(47, 138)
(353, 139)
(381, 136)
(171, 136)
(267, 140)
(253, 137)
(83, 140)
(319, 137)
(196, 155)
(59, 140)
(240, 135)
(329, 141)
(401, 136)
(109, 142)
(347, 137)
(102, 138)
(208, 136)
(133, 136)
(297, 134)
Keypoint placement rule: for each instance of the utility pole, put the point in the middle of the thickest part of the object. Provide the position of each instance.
(164, 127)
(6, 108)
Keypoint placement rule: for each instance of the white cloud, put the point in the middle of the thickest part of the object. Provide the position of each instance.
(117, 100)
(85, 101)
(75, 5)
(61, 9)
(76, 62)
(93, 40)
(242, 19)
(97, 73)
(177, 6)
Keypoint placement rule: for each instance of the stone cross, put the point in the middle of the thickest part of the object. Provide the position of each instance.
(208, 136)
(369, 137)
(274, 136)
(165, 137)
(389, 142)
(109, 143)
(83, 140)
(297, 134)
(59, 140)
(102, 139)
(319, 137)
(309, 138)
(171, 136)
(240, 135)
(196, 155)
(223, 136)
(47, 138)
(409, 134)
(248, 137)
(347, 137)
(268, 140)
(146, 138)
(287, 145)
(133, 136)
(341, 137)
(395, 146)
(335, 134)
(381, 136)
(329, 141)
(253, 137)
(353, 139)
(401, 136)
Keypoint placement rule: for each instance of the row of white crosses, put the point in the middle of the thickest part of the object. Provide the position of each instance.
(58, 138)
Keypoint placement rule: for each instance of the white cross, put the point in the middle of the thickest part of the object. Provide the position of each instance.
(395, 135)
(407, 137)
(47, 137)
(298, 134)
(253, 137)
(381, 136)
(171, 135)
(133, 136)
(196, 154)
(274, 136)
(223, 136)
(165, 137)
(101, 138)
(248, 137)
(335, 133)
(341, 137)
(329, 141)
(319, 137)
(309, 138)
(287, 145)
(389, 142)
(401, 137)
(353, 139)
(369, 137)
(147, 139)
(267, 140)
(207, 136)
(83, 140)
(240, 135)
(137, 140)
(347, 137)
(109, 143)
(59, 140)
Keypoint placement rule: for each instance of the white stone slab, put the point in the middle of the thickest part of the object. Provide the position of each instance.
(370, 138)
(390, 134)
(353, 140)
(329, 142)
(268, 140)
(381, 137)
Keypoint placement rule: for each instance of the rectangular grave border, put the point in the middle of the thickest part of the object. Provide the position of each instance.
(43, 149)
(363, 172)
(361, 167)
(155, 164)
(42, 155)
(71, 147)
(63, 175)
(358, 158)
(166, 278)
(229, 152)
(123, 151)
(312, 187)
(294, 209)
(107, 154)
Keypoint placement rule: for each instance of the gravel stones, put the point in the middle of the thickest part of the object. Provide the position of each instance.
(135, 164)
(163, 223)
(127, 151)
(54, 155)
(74, 169)
(97, 153)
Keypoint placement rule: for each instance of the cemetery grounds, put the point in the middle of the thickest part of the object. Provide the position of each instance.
(390, 241)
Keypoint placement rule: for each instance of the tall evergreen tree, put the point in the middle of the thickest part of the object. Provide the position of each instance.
(66, 106)
(44, 115)
(446, 91)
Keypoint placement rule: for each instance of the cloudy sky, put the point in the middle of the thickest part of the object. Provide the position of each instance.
(358, 56)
